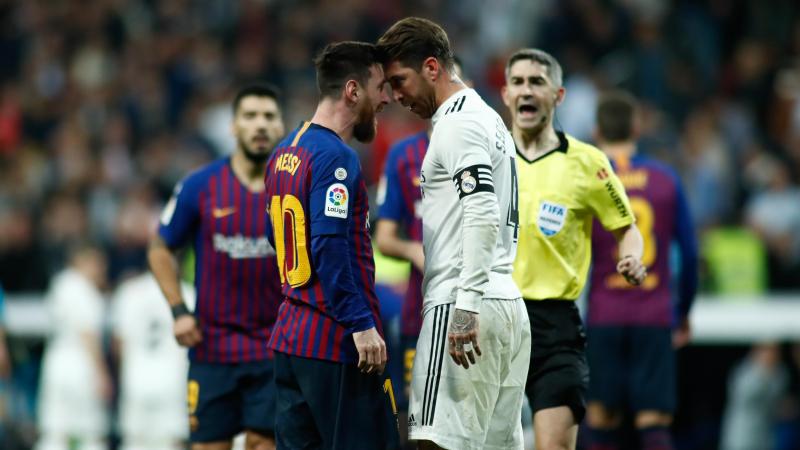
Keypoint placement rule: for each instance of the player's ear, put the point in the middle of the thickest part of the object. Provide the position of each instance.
(560, 95)
(351, 91)
(431, 68)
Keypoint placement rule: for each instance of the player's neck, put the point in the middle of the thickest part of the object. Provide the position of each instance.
(336, 116)
(616, 150)
(445, 87)
(249, 173)
(534, 144)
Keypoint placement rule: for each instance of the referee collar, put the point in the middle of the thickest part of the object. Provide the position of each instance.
(563, 146)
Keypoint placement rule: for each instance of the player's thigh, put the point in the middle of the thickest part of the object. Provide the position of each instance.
(351, 409)
(255, 440)
(450, 405)
(606, 353)
(505, 425)
(555, 428)
(558, 374)
(215, 411)
(653, 375)
(295, 424)
(257, 389)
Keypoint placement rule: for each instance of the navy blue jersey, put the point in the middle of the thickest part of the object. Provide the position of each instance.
(236, 276)
(662, 216)
(319, 212)
(399, 200)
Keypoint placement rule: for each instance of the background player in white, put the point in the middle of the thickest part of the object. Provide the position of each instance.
(152, 407)
(469, 215)
(75, 385)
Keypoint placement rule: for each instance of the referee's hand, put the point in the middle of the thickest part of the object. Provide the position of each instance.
(632, 269)
(372, 354)
(186, 331)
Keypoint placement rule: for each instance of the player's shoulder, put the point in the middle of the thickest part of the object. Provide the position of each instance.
(657, 168)
(400, 147)
(199, 178)
(465, 108)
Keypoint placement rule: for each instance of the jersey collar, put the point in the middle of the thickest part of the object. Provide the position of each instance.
(563, 146)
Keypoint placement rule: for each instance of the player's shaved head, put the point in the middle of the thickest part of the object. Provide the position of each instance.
(616, 114)
(554, 71)
(340, 62)
(412, 40)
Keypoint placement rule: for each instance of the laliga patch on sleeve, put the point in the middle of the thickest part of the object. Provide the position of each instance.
(336, 201)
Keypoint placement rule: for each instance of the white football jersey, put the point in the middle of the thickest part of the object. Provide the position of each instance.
(469, 205)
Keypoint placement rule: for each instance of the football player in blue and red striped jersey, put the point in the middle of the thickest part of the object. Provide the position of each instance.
(329, 348)
(632, 329)
(221, 211)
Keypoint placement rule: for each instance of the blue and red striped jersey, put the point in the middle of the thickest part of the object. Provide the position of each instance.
(319, 211)
(662, 215)
(236, 277)
(399, 200)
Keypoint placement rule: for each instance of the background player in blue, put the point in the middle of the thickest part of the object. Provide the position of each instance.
(220, 210)
(329, 349)
(630, 328)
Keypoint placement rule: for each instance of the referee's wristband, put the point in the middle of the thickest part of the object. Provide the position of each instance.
(179, 310)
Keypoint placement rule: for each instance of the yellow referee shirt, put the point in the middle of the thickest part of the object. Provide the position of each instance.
(559, 194)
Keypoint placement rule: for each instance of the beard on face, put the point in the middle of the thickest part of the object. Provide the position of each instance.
(364, 129)
(253, 155)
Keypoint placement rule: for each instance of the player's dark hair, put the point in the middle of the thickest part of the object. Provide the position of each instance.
(255, 90)
(554, 71)
(412, 40)
(615, 116)
(341, 62)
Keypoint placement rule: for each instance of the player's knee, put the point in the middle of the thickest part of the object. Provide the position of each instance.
(600, 417)
(653, 418)
(258, 441)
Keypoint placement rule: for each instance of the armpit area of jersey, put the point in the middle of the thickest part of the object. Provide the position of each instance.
(474, 179)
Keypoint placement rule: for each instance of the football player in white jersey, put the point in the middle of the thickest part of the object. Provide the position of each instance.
(469, 215)
(75, 385)
(153, 368)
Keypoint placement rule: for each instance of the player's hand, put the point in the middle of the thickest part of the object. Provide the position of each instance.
(372, 354)
(186, 331)
(682, 334)
(632, 269)
(462, 334)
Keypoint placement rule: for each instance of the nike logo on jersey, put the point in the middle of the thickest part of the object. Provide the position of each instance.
(219, 213)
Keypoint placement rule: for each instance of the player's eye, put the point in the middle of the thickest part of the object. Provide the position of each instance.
(249, 115)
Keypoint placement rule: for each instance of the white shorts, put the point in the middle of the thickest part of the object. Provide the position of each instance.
(479, 407)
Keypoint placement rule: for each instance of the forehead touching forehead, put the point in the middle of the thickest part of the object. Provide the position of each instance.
(532, 62)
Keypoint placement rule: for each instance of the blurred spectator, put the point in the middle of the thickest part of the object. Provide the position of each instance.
(754, 390)
(152, 407)
(774, 214)
(75, 385)
(5, 374)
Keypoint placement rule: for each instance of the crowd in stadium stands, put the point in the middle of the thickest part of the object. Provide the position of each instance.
(104, 108)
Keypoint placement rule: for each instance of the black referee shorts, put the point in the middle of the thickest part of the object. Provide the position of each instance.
(558, 374)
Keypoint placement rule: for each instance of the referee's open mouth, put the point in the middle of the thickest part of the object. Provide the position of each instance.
(527, 110)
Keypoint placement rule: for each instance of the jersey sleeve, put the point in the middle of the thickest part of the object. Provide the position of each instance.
(181, 213)
(606, 196)
(687, 243)
(390, 196)
(335, 176)
(464, 153)
(334, 184)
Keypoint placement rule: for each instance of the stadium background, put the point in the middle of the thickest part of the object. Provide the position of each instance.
(103, 107)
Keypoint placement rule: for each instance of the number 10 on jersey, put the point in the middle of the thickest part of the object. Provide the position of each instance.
(291, 244)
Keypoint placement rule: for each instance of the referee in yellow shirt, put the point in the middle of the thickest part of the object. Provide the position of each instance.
(563, 185)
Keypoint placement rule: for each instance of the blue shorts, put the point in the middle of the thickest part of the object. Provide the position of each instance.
(225, 399)
(330, 405)
(632, 367)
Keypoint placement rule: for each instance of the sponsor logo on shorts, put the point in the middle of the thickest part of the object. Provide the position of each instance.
(412, 422)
